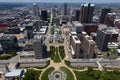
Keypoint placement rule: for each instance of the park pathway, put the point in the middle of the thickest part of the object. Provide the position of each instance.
(58, 65)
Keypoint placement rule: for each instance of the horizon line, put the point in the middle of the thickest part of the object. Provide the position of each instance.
(60, 2)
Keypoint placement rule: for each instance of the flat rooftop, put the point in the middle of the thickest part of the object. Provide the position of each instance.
(76, 23)
(110, 30)
(7, 37)
(27, 53)
(37, 38)
(19, 36)
(76, 39)
(14, 73)
(73, 33)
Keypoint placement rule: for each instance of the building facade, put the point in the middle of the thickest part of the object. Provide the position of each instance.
(86, 13)
(90, 27)
(75, 46)
(65, 8)
(81, 45)
(104, 36)
(36, 12)
(44, 15)
(103, 14)
(9, 43)
(88, 45)
(77, 14)
(38, 46)
(77, 27)
(109, 19)
(29, 28)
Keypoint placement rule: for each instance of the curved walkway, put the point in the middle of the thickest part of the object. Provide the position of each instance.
(58, 65)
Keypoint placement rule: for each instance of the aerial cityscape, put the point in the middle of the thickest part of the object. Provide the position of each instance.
(59, 40)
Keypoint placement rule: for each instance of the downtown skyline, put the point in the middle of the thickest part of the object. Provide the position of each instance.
(64, 1)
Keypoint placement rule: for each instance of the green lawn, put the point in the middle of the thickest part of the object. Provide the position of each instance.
(57, 57)
(67, 63)
(52, 52)
(97, 75)
(45, 74)
(62, 52)
(68, 73)
(8, 55)
(32, 75)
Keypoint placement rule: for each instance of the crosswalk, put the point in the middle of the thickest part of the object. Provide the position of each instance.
(99, 66)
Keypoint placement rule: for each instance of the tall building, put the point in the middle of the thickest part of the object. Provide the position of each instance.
(38, 25)
(88, 45)
(36, 12)
(38, 46)
(117, 23)
(104, 36)
(77, 14)
(29, 29)
(86, 13)
(77, 27)
(75, 46)
(65, 8)
(81, 45)
(9, 43)
(109, 19)
(103, 14)
(70, 37)
(44, 15)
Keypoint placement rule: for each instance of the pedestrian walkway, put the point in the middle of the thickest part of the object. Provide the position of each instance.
(58, 65)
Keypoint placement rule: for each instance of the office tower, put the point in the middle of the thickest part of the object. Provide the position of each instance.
(86, 13)
(81, 45)
(64, 20)
(87, 46)
(44, 15)
(77, 27)
(65, 8)
(117, 23)
(29, 29)
(36, 11)
(104, 36)
(109, 19)
(38, 25)
(9, 43)
(77, 14)
(103, 14)
(75, 46)
(38, 46)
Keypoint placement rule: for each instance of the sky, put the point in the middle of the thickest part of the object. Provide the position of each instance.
(69, 1)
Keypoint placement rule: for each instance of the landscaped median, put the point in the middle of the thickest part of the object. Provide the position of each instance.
(62, 52)
(54, 54)
(57, 57)
(68, 73)
(46, 73)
